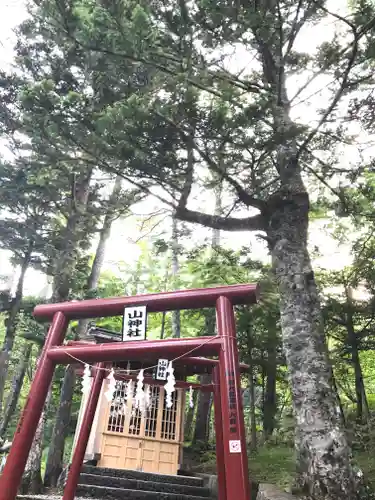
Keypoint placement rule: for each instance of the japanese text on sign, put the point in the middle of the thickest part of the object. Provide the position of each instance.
(134, 324)
(161, 372)
(232, 403)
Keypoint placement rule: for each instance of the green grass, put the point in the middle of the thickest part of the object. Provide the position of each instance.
(275, 464)
(272, 464)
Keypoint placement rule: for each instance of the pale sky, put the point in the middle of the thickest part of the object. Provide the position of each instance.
(121, 246)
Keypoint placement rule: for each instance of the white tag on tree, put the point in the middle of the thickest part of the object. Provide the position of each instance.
(134, 324)
(161, 371)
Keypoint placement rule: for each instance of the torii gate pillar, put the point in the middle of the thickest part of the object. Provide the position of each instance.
(234, 439)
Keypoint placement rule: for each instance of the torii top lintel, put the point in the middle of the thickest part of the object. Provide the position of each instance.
(197, 298)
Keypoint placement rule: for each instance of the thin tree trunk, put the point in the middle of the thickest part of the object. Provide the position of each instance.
(72, 236)
(32, 477)
(204, 400)
(324, 469)
(190, 418)
(201, 421)
(335, 388)
(253, 423)
(218, 191)
(176, 315)
(162, 328)
(11, 323)
(360, 390)
(63, 282)
(201, 430)
(55, 457)
(93, 279)
(15, 390)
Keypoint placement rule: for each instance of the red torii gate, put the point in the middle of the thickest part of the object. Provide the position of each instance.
(231, 453)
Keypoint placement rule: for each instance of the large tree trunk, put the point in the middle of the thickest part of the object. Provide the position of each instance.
(15, 390)
(324, 459)
(32, 477)
(270, 403)
(11, 323)
(55, 457)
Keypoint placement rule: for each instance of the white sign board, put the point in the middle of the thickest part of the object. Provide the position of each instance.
(161, 371)
(235, 446)
(134, 324)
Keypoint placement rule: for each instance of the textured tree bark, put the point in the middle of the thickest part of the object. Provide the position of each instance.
(337, 395)
(55, 457)
(71, 239)
(253, 423)
(63, 282)
(324, 469)
(360, 390)
(270, 403)
(176, 315)
(202, 416)
(16, 386)
(188, 428)
(32, 478)
(11, 323)
(162, 327)
(218, 191)
(93, 279)
(204, 399)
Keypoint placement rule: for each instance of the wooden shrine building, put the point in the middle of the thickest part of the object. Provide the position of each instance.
(124, 438)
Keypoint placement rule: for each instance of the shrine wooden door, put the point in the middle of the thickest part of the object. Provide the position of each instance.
(149, 442)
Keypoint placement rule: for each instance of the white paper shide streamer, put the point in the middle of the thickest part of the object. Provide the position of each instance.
(129, 393)
(169, 386)
(191, 399)
(148, 397)
(111, 386)
(86, 380)
(139, 393)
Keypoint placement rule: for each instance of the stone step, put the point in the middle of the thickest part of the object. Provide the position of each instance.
(143, 476)
(137, 484)
(49, 497)
(105, 493)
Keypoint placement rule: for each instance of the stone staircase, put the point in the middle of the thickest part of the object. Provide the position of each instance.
(105, 484)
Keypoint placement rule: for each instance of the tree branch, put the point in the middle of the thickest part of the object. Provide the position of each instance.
(255, 223)
(336, 16)
(336, 98)
(243, 196)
